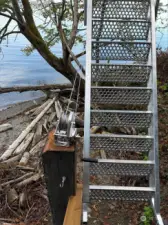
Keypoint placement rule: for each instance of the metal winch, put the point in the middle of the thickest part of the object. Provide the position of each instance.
(65, 129)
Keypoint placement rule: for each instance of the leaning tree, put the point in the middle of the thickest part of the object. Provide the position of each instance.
(61, 21)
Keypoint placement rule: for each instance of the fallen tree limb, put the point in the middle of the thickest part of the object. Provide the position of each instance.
(5, 127)
(34, 88)
(23, 146)
(41, 107)
(13, 159)
(38, 134)
(26, 168)
(29, 180)
(24, 133)
(38, 146)
(25, 158)
(17, 179)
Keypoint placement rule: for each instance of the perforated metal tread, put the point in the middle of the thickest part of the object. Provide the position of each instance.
(120, 50)
(123, 9)
(120, 29)
(121, 167)
(120, 73)
(117, 118)
(121, 193)
(110, 143)
(121, 95)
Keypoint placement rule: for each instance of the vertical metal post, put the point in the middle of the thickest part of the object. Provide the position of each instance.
(155, 111)
(86, 152)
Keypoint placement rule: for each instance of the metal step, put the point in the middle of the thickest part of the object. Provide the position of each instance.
(122, 167)
(110, 143)
(121, 193)
(120, 73)
(120, 50)
(120, 29)
(118, 118)
(124, 9)
(121, 95)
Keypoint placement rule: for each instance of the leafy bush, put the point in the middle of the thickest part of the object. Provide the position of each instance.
(162, 67)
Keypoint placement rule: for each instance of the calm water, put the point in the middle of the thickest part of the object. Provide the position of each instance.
(18, 69)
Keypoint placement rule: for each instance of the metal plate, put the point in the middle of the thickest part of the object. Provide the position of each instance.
(121, 96)
(120, 73)
(120, 30)
(120, 9)
(132, 51)
(113, 118)
(121, 193)
(111, 143)
(117, 167)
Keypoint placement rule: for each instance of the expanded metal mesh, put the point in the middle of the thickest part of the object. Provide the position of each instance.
(120, 96)
(120, 51)
(120, 30)
(111, 143)
(120, 195)
(116, 119)
(120, 169)
(120, 9)
(120, 73)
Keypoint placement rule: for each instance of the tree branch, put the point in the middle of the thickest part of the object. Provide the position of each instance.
(9, 16)
(7, 34)
(79, 55)
(18, 12)
(34, 88)
(74, 26)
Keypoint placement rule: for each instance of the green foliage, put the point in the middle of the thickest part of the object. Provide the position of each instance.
(28, 50)
(145, 157)
(147, 217)
(48, 28)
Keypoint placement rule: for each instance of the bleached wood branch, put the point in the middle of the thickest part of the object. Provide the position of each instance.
(23, 146)
(29, 180)
(5, 127)
(17, 179)
(24, 133)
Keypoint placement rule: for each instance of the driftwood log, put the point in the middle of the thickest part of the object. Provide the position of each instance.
(34, 88)
(5, 127)
(24, 133)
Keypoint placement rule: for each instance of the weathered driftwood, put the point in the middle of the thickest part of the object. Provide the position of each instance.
(38, 146)
(45, 125)
(12, 196)
(51, 117)
(17, 179)
(22, 200)
(94, 129)
(29, 180)
(37, 135)
(26, 168)
(34, 88)
(22, 136)
(40, 108)
(31, 111)
(24, 145)
(25, 158)
(58, 108)
(103, 154)
(5, 127)
(13, 159)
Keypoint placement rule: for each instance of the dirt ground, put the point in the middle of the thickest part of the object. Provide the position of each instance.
(100, 213)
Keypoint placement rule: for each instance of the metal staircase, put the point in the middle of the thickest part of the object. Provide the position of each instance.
(121, 92)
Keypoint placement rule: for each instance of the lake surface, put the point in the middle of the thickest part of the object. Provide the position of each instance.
(18, 69)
